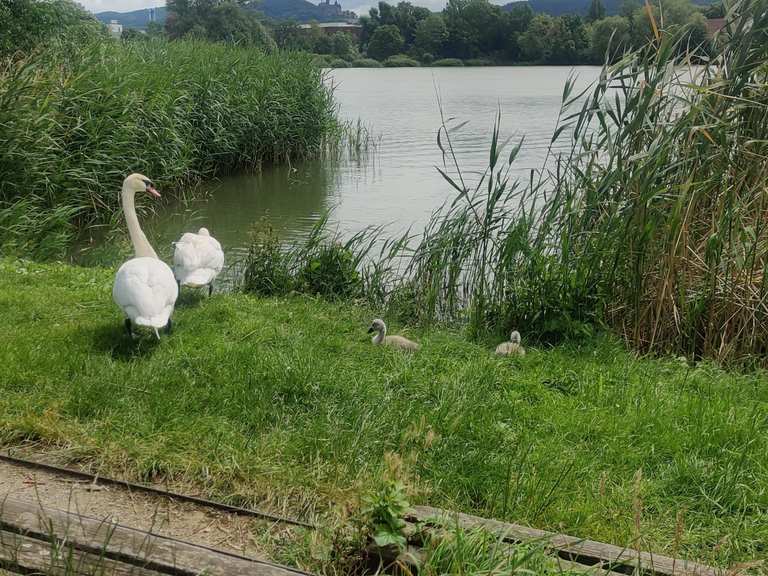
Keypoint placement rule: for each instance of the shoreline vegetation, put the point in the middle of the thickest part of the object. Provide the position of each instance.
(651, 224)
(78, 109)
(479, 33)
(647, 236)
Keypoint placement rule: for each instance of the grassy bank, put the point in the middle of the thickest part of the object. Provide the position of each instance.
(76, 118)
(283, 403)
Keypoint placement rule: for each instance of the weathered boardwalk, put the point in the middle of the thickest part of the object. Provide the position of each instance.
(34, 539)
(596, 557)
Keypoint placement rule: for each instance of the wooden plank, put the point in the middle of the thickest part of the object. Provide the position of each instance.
(413, 557)
(130, 545)
(25, 554)
(571, 548)
(594, 570)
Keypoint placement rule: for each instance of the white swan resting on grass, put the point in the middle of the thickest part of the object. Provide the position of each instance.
(144, 286)
(511, 348)
(197, 260)
(381, 337)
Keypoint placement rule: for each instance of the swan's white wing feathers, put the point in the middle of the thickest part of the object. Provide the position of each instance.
(146, 291)
(197, 259)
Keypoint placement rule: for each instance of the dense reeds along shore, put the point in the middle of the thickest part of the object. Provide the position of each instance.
(654, 224)
(76, 117)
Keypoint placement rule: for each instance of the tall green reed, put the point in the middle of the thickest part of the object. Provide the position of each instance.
(653, 222)
(76, 118)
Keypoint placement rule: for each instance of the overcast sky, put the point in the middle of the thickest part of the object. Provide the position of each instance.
(359, 6)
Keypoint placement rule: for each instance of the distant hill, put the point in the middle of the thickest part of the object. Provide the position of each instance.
(299, 10)
(303, 11)
(136, 19)
(560, 7)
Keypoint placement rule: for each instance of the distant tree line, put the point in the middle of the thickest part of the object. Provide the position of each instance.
(477, 30)
(465, 31)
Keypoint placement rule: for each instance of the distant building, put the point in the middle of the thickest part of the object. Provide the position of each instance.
(333, 11)
(714, 25)
(115, 29)
(333, 27)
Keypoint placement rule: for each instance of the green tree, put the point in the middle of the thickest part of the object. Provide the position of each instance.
(230, 23)
(288, 36)
(430, 35)
(24, 24)
(386, 14)
(344, 46)
(155, 30)
(324, 44)
(596, 11)
(217, 21)
(614, 33)
(516, 22)
(534, 42)
(368, 25)
(568, 40)
(715, 10)
(180, 18)
(697, 32)
(132, 34)
(385, 42)
(668, 15)
(407, 18)
(550, 40)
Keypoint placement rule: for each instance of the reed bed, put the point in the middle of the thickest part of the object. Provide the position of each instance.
(652, 222)
(75, 119)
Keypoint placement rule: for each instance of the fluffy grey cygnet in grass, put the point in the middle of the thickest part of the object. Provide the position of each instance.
(381, 337)
(511, 348)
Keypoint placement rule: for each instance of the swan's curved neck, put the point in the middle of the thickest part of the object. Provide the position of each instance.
(141, 246)
(379, 338)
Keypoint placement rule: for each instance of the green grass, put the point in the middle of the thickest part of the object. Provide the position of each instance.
(283, 403)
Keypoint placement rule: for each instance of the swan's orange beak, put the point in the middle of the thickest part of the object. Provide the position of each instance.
(151, 190)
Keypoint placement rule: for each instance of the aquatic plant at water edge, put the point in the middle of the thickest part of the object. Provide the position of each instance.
(320, 264)
(401, 61)
(653, 223)
(366, 63)
(74, 119)
(449, 62)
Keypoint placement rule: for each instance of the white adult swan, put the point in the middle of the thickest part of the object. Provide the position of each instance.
(197, 260)
(144, 287)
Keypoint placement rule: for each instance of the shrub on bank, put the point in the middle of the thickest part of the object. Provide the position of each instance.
(320, 264)
(366, 63)
(266, 270)
(448, 62)
(330, 271)
(339, 63)
(401, 61)
(75, 120)
(322, 60)
(479, 62)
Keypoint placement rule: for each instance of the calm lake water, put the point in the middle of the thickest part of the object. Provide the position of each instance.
(396, 184)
